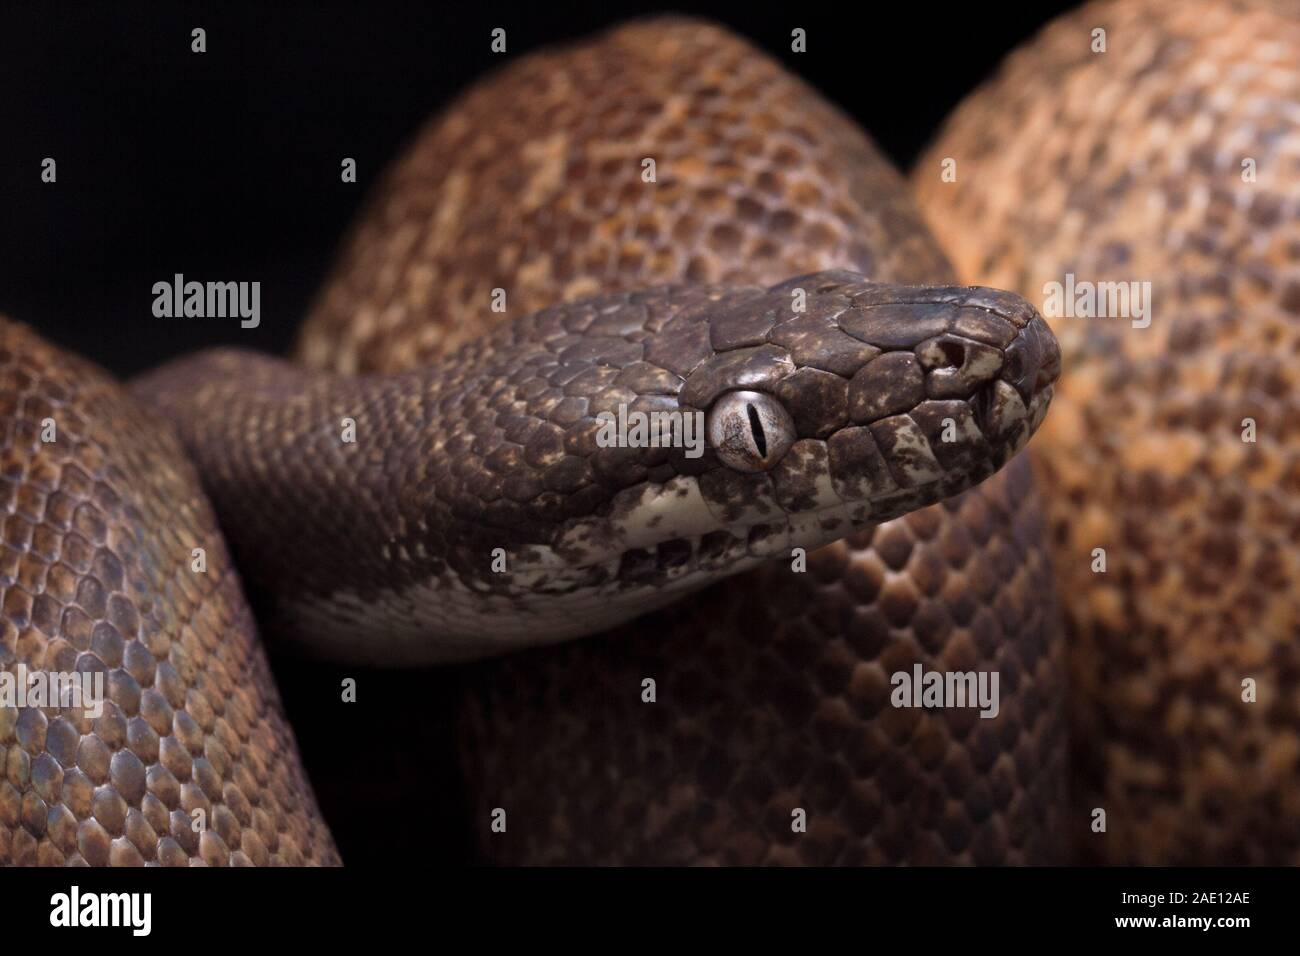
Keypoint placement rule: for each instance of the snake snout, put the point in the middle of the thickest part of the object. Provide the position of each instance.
(1033, 360)
(998, 355)
(1050, 369)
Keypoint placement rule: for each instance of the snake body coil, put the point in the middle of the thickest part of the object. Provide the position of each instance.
(429, 485)
(1173, 158)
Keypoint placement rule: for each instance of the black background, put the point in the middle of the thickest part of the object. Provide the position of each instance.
(225, 166)
(952, 909)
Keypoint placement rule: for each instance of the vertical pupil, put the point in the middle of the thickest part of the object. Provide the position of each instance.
(756, 426)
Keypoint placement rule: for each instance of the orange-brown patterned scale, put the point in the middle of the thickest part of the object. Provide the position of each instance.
(534, 182)
(773, 690)
(773, 696)
(1172, 158)
(187, 758)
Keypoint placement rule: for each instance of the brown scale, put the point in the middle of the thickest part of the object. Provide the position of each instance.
(532, 183)
(1128, 165)
(772, 688)
(765, 705)
(772, 694)
(96, 576)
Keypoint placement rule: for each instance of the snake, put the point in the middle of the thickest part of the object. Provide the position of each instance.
(1173, 157)
(425, 484)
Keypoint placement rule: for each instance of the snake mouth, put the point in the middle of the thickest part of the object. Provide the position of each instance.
(673, 540)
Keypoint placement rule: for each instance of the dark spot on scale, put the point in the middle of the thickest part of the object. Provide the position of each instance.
(716, 545)
(674, 554)
(1291, 298)
(1114, 254)
(636, 565)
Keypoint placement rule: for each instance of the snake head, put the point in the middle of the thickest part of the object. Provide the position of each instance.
(827, 403)
(833, 402)
(488, 503)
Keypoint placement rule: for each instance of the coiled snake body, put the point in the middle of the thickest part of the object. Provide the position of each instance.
(747, 281)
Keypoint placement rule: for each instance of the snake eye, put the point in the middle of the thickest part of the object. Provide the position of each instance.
(750, 431)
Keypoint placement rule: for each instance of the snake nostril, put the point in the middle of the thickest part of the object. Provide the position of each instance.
(954, 353)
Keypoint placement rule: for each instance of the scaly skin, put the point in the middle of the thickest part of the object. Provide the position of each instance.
(772, 688)
(380, 549)
(759, 180)
(1128, 165)
(97, 574)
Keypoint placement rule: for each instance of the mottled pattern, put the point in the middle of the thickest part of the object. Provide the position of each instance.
(773, 695)
(1128, 165)
(769, 683)
(533, 183)
(498, 447)
(96, 576)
